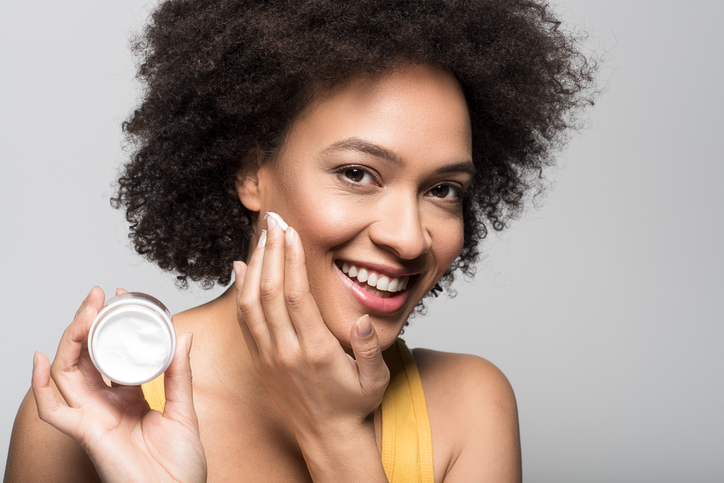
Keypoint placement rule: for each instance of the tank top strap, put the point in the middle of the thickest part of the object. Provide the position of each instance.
(406, 434)
(154, 393)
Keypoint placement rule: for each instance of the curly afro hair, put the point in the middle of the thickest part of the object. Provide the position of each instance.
(225, 77)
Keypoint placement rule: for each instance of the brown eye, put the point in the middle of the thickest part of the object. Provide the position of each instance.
(441, 191)
(446, 191)
(354, 174)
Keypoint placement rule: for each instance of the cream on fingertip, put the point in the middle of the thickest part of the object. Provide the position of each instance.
(278, 219)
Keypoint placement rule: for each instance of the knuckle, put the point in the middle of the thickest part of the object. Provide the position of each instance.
(376, 385)
(370, 352)
(316, 358)
(269, 289)
(294, 297)
(246, 306)
(286, 359)
(266, 362)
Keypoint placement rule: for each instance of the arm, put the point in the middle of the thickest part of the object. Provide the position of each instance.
(326, 395)
(473, 412)
(39, 452)
(123, 438)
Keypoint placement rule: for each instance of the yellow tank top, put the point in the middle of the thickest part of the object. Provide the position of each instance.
(406, 436)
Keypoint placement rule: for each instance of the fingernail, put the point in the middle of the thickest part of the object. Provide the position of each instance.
(189, 341)
(237, 269)
(262, 239)
(290, 236)
(35, 359)
(276, 220)
(364, 326)
(271, 222)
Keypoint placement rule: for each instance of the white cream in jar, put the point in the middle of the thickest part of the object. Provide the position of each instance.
(132, 339)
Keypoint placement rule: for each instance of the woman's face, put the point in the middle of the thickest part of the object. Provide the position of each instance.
(371, 177)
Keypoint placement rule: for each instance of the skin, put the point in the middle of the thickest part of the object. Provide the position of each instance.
(369, 173)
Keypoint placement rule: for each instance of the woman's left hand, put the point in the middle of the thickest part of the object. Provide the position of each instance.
(326, 395)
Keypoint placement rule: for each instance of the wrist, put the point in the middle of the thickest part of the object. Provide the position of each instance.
(345, 452)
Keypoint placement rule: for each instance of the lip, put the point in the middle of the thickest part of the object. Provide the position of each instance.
(372, 302)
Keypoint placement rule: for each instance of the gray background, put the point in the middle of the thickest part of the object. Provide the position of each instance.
(603, 306)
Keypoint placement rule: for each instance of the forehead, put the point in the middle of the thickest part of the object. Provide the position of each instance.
(412, 111)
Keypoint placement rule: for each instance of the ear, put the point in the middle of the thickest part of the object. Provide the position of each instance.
(247, 186)
(247, 180)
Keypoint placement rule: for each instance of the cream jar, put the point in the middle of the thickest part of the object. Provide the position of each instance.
(132, 339)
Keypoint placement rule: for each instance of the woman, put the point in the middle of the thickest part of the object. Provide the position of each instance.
(387, 135)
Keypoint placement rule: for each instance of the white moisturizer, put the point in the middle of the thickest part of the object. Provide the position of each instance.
(282, 224)
(132, 340)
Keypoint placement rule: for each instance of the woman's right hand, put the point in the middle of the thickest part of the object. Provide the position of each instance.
(125, 439)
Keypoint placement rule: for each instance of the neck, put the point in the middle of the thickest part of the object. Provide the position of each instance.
(219, 345)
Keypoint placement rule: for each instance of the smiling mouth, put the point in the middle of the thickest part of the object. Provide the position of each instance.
(377, 284)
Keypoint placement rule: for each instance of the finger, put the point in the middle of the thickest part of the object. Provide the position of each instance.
(271, 289)
(73, 339)
(72, 369)
(75, 377)
(373, 372)
(121, 291)
(50, 410)
(250, 311)
(95, 297)
(301, 306)
(178, 386)
(240, 273)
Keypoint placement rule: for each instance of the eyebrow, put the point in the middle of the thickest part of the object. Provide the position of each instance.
(360, 145)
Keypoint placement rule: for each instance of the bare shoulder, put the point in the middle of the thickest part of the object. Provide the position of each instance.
(465, 374)
(473, 415)
(39, 452)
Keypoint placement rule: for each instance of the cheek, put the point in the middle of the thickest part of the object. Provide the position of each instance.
(448, 244)
(323, 221)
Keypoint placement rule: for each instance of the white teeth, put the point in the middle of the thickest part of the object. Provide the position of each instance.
(362, 275)
(383, 283)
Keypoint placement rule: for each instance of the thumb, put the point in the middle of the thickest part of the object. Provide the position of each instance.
(178, 384)
(373, 372)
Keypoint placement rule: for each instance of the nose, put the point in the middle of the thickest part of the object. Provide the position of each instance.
(400, 228)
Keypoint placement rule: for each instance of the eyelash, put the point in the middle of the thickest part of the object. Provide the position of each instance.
(459, 191)
(342, 171)
(365, 172)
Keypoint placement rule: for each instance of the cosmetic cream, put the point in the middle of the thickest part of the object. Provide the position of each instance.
(282, 223)
(132, 339)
